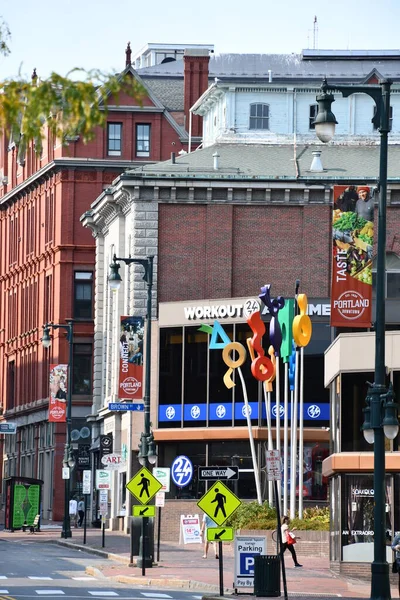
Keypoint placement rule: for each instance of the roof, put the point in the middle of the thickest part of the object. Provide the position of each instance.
(168, 91)
(270, 161)
(286, 66)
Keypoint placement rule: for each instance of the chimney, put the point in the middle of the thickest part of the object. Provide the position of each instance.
(216, 161)
(128, 55)
(316, 163)
(195, 82)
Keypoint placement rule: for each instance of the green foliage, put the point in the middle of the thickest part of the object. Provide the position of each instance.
(250, 515)
(68, 107)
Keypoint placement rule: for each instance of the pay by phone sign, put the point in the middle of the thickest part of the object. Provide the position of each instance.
(246, 548)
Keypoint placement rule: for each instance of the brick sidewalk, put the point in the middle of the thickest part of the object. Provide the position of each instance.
(182, 567)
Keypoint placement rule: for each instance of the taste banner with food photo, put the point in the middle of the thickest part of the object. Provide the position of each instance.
(58, 393)
(352, 241)
(131, 358)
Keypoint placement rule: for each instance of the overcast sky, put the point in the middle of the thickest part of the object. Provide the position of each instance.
(57, 36)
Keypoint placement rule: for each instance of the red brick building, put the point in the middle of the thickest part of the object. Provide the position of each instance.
(47, 266)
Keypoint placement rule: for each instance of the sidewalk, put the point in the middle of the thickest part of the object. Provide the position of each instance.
(182, 567)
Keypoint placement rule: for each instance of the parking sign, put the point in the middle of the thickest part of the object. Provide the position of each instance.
(246, 548)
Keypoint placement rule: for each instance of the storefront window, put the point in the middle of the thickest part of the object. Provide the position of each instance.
(357, 511)
(195, 378)
(170, 389)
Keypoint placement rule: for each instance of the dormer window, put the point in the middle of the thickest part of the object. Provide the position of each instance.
(259, 116)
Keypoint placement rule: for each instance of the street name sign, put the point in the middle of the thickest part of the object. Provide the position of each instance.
(9, 428)
(212, 473)
(219, 503)
(144, 511)
(143, 486)
(126, 406)
(220, 534)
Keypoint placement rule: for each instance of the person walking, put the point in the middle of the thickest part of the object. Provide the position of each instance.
(208, 522)
(81, 511)
(288, 539)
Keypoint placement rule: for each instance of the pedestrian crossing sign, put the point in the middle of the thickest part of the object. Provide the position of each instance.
(219, 503)
(143, 486)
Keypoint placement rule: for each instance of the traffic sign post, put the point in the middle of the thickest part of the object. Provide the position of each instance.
(143, 486)
(219, 503)
(144, 511)
(213, 473)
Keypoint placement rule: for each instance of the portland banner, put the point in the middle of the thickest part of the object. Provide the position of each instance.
(58, 393)
(131, 358)
(352, 240)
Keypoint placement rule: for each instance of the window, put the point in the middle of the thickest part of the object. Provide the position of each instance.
(312, 115)
(143, 140)
(83, 295)
(259, 116)
(390, 118)
(392, 277)
(114, 139)
(82, 369)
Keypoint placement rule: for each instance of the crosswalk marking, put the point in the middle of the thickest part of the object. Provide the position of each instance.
(103, 593)
(41, 578)
(4, 592)
(155, 595)
(3, 576)
(84, 578)
(49, 592)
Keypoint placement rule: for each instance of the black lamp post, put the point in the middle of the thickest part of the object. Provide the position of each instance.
(147, 451)
(381, 417)
(68, 459)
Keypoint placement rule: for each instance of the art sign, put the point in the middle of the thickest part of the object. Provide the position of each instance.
(58, 393)
(131, 358)
(352, 243)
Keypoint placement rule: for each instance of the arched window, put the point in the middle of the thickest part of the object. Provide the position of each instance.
(259, 116)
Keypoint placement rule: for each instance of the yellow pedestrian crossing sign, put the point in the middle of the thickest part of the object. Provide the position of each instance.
(143, 486)
(219, 503)
(220, 534)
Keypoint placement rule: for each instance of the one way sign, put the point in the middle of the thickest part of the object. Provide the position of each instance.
(213, 473)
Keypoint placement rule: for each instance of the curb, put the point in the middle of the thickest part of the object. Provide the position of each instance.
(117, 557)
(182, 584)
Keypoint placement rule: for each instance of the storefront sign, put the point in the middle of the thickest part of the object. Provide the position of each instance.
(163, 474)
(131, 358)
(58, 393)
(190, 529)
(352, 240)
(209, 312)
(246, 548)
(8, 428)
(103, 479)
(113, 461)
(223, 412)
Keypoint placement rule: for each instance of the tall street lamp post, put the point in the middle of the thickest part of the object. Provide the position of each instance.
(147, 452)
(381, 416)
(68, 459)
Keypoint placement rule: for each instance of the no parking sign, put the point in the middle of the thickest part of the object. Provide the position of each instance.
(246, 548)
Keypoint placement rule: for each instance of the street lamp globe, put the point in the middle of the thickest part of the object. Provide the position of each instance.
(369, 436)
(325, 120)
(114, 278)
(46, 339)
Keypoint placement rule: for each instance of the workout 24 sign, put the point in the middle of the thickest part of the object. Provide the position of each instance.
(284, 329)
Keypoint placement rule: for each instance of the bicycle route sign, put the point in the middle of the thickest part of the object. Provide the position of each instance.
(219, 503)
(143, 486)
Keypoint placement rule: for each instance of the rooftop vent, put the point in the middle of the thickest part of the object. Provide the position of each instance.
(316, 164)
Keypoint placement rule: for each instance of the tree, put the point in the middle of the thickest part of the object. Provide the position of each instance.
(68, 106)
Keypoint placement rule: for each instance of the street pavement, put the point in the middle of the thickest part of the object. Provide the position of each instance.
(182, 566)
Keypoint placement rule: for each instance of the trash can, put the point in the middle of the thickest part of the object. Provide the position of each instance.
(267, 580)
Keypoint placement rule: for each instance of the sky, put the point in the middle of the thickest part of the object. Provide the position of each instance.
(58, 36)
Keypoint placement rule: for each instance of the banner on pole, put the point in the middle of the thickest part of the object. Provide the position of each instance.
(352, 242)
(58, 387)
(131, 358)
